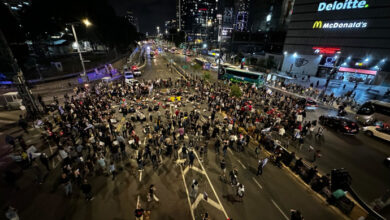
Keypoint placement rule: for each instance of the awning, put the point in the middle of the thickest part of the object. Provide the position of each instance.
(353, 70)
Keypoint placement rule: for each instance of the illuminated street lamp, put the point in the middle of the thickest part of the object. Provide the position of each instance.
(87, 23)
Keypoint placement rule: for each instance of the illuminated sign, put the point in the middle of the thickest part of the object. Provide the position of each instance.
(325, 50)
(348, 4)
(339, 25)
(362, 71)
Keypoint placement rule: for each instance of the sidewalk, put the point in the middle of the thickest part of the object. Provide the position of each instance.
(363, 92)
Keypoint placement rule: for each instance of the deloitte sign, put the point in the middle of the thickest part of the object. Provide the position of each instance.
(347, 4)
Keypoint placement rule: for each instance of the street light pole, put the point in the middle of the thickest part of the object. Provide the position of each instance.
(219, 16)
(83, 74)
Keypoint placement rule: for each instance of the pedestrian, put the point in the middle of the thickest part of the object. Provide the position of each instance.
(139, 212)
(223, 169)
(11, 213)
(205, 216)
(86, 188)
(317, 154)
(240, 191)
(191, 157)
(102, 164)
(257, 151)
(23, 123)
(45, 161)
(152, 194)
(112, 170)
(296, 215)
(259, 168)
(66, 182)
(194, 189)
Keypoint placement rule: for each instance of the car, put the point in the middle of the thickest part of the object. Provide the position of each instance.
(137, 72)
(340, 124)
(132, 81)
(128, 76)
(308, 103)
(382, 132)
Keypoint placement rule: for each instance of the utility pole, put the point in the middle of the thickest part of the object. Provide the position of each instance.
(219, 17)
(84, 74)
(24, 92)
(179, 14)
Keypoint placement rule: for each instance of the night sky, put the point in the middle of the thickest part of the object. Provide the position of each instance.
(150, 13)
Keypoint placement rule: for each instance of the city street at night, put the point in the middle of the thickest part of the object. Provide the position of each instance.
(194, 110)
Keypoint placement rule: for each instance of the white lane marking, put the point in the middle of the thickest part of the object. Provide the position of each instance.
(137, 201)
(140, 175)
(280, 210)
(257, 183)
(212, 187)
(243, 166)
(188, 194)
(230, 150)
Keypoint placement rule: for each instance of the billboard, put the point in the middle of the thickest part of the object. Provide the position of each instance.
(357, 27)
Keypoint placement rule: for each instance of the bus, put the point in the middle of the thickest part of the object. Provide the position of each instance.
(240, 75)
(372, 111)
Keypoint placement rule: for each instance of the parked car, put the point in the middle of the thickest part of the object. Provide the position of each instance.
(380, 131)
(341, 124)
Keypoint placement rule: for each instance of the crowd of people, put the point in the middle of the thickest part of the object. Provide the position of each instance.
(313, 91)
(91, 140)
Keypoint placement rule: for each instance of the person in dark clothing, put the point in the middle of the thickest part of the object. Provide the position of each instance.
(45, 161)
(139, 213)
(23, 123)
(86, 188)
(296, 215)
(259, 168)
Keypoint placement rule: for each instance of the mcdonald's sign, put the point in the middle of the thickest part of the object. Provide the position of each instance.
(317, 24)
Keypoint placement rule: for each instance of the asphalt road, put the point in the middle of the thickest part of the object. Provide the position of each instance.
(269, 196)
(362, 156)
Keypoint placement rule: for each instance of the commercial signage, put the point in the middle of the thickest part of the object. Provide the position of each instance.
(339, 25)
(326, 50)
(347, 4)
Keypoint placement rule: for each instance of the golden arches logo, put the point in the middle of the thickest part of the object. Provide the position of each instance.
(317, 24)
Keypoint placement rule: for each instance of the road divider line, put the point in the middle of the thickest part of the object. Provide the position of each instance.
(212, 187)
(188, 194)
(137, 201)
(230, 151)
(140, 175)
(243, 166)
(257, 183)
(280, 210)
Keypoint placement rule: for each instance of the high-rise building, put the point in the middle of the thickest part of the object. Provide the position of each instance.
(198, 18)
(132, 19)
(343, 40)
(242, 16)
(271, 15)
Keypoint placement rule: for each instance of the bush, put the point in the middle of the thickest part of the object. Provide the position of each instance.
(235, 91)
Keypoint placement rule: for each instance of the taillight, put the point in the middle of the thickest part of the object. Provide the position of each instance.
(346, 127)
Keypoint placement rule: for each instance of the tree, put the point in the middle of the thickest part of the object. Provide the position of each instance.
(206, 75)
(235, 91)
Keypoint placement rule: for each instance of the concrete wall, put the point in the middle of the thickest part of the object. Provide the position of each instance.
(301, 64)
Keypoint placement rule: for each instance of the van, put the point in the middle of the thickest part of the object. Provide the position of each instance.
(11, 101)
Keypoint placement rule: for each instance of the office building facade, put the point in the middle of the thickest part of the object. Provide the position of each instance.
(351, 36)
